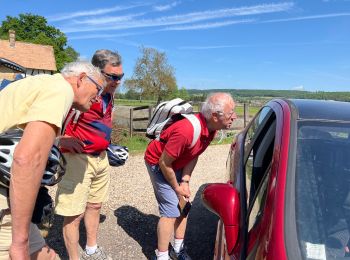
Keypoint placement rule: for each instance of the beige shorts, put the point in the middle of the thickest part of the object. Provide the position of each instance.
(36, 241)
(86, 180)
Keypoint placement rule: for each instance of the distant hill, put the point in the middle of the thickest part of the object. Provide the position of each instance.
(245, 95)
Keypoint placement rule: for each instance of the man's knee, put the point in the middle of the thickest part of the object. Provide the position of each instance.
(93, 206)
(72, 220)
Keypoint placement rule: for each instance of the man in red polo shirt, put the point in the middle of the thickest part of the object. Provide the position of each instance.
(170, 163)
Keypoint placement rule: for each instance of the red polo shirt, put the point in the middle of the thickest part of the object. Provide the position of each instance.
(178, 138)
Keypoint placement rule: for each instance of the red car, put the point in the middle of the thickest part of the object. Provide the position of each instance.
(288, 189)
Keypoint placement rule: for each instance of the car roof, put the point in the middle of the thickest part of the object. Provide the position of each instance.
(321, 109)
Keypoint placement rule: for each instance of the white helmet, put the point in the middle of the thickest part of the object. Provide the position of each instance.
(55, 167)
(117, 155)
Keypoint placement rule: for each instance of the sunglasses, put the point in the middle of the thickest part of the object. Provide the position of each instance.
(113, 77)
(98, 86)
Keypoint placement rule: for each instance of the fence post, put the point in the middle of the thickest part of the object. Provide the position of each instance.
(131, 121)
(149, 112)
(245, 114)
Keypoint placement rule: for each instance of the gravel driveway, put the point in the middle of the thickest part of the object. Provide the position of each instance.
(129, 219)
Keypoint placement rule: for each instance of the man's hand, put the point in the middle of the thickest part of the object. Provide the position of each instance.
(19, 251)
(183, 190)
(72, 144)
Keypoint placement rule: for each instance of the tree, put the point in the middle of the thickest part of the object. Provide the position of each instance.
(152, 76)
(34, 29)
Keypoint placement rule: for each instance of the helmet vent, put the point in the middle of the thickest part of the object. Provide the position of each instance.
(5, 151)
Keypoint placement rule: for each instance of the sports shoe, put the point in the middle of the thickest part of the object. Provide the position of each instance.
(98, 255)
(182, 255)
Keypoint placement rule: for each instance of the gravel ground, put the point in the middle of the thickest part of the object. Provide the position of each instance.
(129, 219)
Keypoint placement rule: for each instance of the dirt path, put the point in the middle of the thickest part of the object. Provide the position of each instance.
(128, 220)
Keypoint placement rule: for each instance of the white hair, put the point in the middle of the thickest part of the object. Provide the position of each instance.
(78, 67)
(215, 102)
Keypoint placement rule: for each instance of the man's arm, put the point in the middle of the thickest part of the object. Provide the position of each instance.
(188, 169)
(30, 158)
(165, 164)
(72, 144)
(186, 175)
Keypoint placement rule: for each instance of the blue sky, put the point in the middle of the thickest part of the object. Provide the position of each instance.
(239, 44)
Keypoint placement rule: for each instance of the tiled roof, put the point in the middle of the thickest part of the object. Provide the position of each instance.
(29, 55)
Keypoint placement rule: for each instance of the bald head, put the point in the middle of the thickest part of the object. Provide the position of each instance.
(216, 102)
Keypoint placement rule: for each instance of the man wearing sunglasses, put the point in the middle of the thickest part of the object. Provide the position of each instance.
(86, 183)
(38, 105)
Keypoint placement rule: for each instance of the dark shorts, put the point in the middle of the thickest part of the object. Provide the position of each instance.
(165, 194)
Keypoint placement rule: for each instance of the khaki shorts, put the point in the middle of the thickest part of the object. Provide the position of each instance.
(86, 180)
(36, 241)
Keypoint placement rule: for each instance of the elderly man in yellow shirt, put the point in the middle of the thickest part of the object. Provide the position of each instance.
(38, 105)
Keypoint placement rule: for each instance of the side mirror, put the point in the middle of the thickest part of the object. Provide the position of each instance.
(223, 200)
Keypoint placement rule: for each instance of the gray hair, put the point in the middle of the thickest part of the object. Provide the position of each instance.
(103, 57)
(215, 102)
(78, 67)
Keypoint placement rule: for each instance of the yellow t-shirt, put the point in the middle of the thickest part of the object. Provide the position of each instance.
(45, 98)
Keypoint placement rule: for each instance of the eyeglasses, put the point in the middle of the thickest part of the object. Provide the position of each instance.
(98, 86)
(227, 115)
(113, 77)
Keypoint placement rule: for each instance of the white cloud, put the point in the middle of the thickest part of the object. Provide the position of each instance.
(106, 24)
(205, 25)
(299, 88)
(67, 16)
(108, 19)
(161, 8)
(321, 16)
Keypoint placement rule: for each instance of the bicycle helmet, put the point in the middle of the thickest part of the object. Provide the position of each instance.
(117, 155)
(55, 167)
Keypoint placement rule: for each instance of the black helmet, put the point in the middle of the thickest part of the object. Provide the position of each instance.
(55, 167)
(117, 155)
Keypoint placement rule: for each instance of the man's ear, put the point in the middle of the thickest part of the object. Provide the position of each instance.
(81, 76)
(215, 117)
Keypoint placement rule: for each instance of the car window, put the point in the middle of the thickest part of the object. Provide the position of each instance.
(258, 150)
(322, 192)
(258, 202)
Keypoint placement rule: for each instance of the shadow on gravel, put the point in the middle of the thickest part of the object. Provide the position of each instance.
(200, 233)
(55, 236)
(139, 226)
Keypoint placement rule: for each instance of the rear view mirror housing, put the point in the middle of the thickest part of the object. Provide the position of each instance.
(223, 200)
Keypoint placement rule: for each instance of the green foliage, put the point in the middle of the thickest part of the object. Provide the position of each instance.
(252, 95)
(34, 29)
(134, 103)
(179, 93)
(153, 77)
